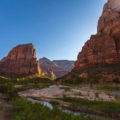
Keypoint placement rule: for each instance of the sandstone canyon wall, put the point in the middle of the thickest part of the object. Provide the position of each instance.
(21, 60)
(100, 56)
(57, 68)
(104, 47)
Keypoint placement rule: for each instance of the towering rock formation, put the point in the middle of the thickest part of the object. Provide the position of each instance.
(56, 68)
(104, 47)
(21, 60)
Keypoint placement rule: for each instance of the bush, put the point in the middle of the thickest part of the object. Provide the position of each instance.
(26, 110)
(8, 90)
(110, 109)
(94, 78)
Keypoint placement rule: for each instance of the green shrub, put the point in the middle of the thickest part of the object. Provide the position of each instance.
(26, 110)
(94, 78)
(106, 108)
(8, 90)
(54, 103)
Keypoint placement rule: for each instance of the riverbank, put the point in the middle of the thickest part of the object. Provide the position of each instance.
(64, 91)
(86, 101)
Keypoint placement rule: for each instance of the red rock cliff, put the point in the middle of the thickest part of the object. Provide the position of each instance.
(21, 60)
(104, 47)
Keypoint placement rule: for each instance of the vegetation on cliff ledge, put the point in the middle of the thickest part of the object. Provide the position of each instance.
(107, 74)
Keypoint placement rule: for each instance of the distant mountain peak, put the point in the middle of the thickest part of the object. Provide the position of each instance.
(44, 58)
(59, 67)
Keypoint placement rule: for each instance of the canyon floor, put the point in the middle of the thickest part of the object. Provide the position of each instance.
(78, 99)
(64, 91)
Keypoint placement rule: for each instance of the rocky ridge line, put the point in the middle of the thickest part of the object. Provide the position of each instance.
(21, 60)
(56, 68)
(104, 47)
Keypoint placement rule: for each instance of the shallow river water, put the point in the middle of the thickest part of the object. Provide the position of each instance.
(50, 106)
(64, 110)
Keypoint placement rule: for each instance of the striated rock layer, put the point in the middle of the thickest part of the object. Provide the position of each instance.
(104, 47)
(66, 65)
(21, 60)
(56, 68)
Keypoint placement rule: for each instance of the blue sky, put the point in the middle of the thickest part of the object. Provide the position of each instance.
(57, 28)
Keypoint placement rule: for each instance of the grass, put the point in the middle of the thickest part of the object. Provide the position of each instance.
(26, 110)
(105, 108)
(2, 107)
(29, 82)
(22, 108)
(54, 103)
(108, 87)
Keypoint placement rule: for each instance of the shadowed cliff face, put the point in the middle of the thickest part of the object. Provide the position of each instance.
(104, 47)
(21, 60)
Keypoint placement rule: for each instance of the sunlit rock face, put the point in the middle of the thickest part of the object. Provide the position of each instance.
(104, 47)
(114, 5)
(109, 22)
(20, 61)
